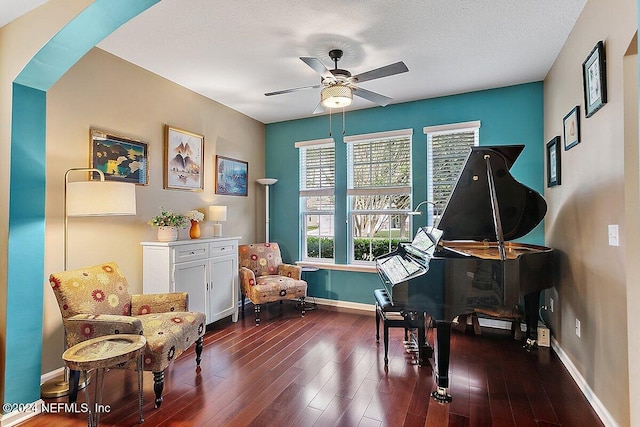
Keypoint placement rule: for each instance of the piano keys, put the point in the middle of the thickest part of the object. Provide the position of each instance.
(474, 264)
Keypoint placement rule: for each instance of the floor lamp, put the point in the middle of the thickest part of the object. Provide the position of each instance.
(267, 182)
(89, 198)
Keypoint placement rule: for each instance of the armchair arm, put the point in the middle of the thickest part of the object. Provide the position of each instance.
(247, 279)
(159, 303)
(290, 270)
(82, 327)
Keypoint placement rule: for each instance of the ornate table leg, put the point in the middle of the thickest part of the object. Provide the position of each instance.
(140, 365)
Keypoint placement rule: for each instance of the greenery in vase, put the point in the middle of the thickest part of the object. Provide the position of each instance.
(168, 218)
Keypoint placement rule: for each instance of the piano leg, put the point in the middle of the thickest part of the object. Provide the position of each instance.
(422, 339)
(531, 308)
(442, 351)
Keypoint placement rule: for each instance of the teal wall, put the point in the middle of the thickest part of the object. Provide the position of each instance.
(510, 115)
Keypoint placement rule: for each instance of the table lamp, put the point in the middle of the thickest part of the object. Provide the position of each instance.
(217, 214)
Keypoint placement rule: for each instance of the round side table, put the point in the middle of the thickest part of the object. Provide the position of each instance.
(306, 269)
(101, 353)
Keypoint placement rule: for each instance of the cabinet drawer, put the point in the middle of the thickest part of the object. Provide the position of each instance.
(190, 252)
(222, 248)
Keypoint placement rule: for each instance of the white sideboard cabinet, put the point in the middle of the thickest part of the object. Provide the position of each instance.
(205, 268)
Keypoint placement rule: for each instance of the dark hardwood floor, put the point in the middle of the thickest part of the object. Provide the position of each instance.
(326, 369)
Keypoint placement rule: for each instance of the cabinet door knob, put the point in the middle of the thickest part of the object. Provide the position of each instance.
(192, 253)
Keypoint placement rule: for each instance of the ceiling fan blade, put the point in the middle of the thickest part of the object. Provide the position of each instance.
(387, 70)
(372, 96)
(295, 89)
(319, 109)
(318, 66)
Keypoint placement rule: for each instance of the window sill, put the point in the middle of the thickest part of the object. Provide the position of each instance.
(341, 267)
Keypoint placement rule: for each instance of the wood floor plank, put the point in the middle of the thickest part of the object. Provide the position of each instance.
(326, 369)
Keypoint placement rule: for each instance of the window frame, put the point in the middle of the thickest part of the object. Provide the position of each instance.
(430, 132)
(321, 191)
(352, 192)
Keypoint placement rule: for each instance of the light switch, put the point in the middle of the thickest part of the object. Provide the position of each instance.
(614, 239)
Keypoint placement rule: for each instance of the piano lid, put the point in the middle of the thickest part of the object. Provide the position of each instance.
(468, 214)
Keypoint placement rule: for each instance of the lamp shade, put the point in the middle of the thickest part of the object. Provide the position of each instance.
(336, 96)
(100, 198)
(267, 181)
(217, 213)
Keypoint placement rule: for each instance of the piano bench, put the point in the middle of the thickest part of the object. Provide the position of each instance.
(392, 317)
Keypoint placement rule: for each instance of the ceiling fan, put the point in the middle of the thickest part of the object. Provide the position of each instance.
(339, 86)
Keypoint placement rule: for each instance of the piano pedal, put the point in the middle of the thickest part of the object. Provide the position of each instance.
(411, 347)
(441, 395)
(530, 344)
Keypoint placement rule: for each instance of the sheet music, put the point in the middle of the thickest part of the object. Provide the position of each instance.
(398, 268)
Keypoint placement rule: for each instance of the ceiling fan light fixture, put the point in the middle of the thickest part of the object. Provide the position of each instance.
(336, 96)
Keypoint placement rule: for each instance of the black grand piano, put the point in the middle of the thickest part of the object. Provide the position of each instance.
(474, 264)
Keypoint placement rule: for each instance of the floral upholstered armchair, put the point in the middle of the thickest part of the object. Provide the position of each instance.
(95, 301)
(265, 278)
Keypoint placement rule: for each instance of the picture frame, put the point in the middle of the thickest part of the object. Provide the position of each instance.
(231, 176)
(118, 157)
(183, 160)
(571, 126)
(594, 78)
(553, 162)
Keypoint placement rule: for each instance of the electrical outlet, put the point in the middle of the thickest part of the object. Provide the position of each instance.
(614, 238)
(551, 304)
(578, 328)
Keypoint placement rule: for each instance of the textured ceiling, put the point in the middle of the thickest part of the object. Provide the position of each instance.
(234, 52)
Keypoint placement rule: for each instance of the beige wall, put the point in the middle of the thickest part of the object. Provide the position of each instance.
(592, 282)
(632, 219)
(107, 93)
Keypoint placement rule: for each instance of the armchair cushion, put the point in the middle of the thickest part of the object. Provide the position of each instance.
(168, 336)
(271, 288)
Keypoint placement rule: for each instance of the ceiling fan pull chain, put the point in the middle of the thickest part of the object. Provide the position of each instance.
(330, 122)
(344, 128)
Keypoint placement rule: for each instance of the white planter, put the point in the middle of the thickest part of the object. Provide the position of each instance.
(167, 234)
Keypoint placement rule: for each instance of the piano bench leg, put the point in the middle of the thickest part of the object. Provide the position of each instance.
(386, 343)
(377, 322)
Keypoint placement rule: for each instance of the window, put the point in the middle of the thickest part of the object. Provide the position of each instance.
(317, 200)
(379, 192)
(448, 147)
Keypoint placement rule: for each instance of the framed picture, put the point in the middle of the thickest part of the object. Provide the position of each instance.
(553, 162)
(231, 176)
(594, 78)
(119, 158)
(571, 125)
(183, 160)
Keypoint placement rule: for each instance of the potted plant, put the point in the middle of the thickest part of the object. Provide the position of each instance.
(168, 223)
(195, 217)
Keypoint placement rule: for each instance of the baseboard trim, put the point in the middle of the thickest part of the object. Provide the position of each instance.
(591, 397)
(51, 375)
(16, 417)
(343, 305)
